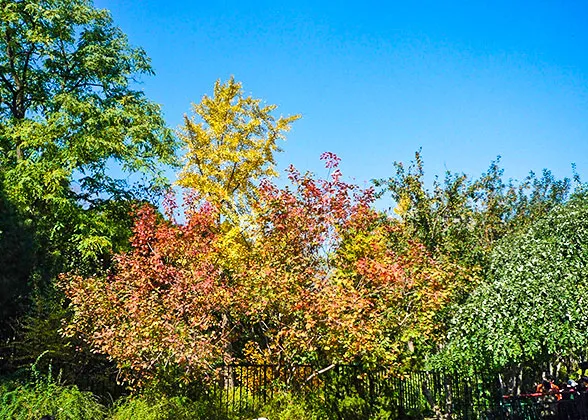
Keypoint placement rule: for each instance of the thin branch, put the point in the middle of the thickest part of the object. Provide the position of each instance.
(331, 366)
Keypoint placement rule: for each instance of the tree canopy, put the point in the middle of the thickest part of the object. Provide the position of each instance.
(230, 144)
(460, 219)
(322, 280)
(69, 111)
(532, 309)
(74, 129)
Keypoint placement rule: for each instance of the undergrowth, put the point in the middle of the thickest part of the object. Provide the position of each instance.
(45, 395)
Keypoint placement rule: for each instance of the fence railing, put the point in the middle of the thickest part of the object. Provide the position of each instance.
(247, 387)
(450, 395)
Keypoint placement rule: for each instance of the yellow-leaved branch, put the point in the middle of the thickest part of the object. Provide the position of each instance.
(230, 141)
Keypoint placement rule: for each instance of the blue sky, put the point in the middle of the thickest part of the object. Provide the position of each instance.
(376, 81)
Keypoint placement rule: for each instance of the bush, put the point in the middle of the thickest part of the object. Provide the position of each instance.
(286, 406)
(34, 400)
(157, 405)
(159, 408)
(45, 395)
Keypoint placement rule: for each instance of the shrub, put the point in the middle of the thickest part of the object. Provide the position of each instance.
(157, 406)
(34, 400)
(45, 395)
(286, 406)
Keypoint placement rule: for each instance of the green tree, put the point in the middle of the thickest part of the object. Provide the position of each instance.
(69, 112)
(461, 218)
(532, 310)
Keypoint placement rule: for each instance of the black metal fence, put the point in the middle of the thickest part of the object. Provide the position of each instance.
(352, 388)
(448, 395)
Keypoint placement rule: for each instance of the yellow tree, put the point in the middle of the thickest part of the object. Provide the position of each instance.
(230, 143)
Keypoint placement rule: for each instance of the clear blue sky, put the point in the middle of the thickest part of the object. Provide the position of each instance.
(375, 81)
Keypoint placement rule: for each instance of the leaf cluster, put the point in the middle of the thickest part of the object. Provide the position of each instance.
(462, 218)
(230, 143)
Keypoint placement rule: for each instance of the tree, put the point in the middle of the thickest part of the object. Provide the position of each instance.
(532, 309)
(460, 219)
(165, 304)
(389, 295)
(297, 231)
(69, 112)
(230, 144)
(323, 280)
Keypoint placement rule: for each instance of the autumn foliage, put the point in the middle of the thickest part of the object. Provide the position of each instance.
(165, 302)
(315, 275)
